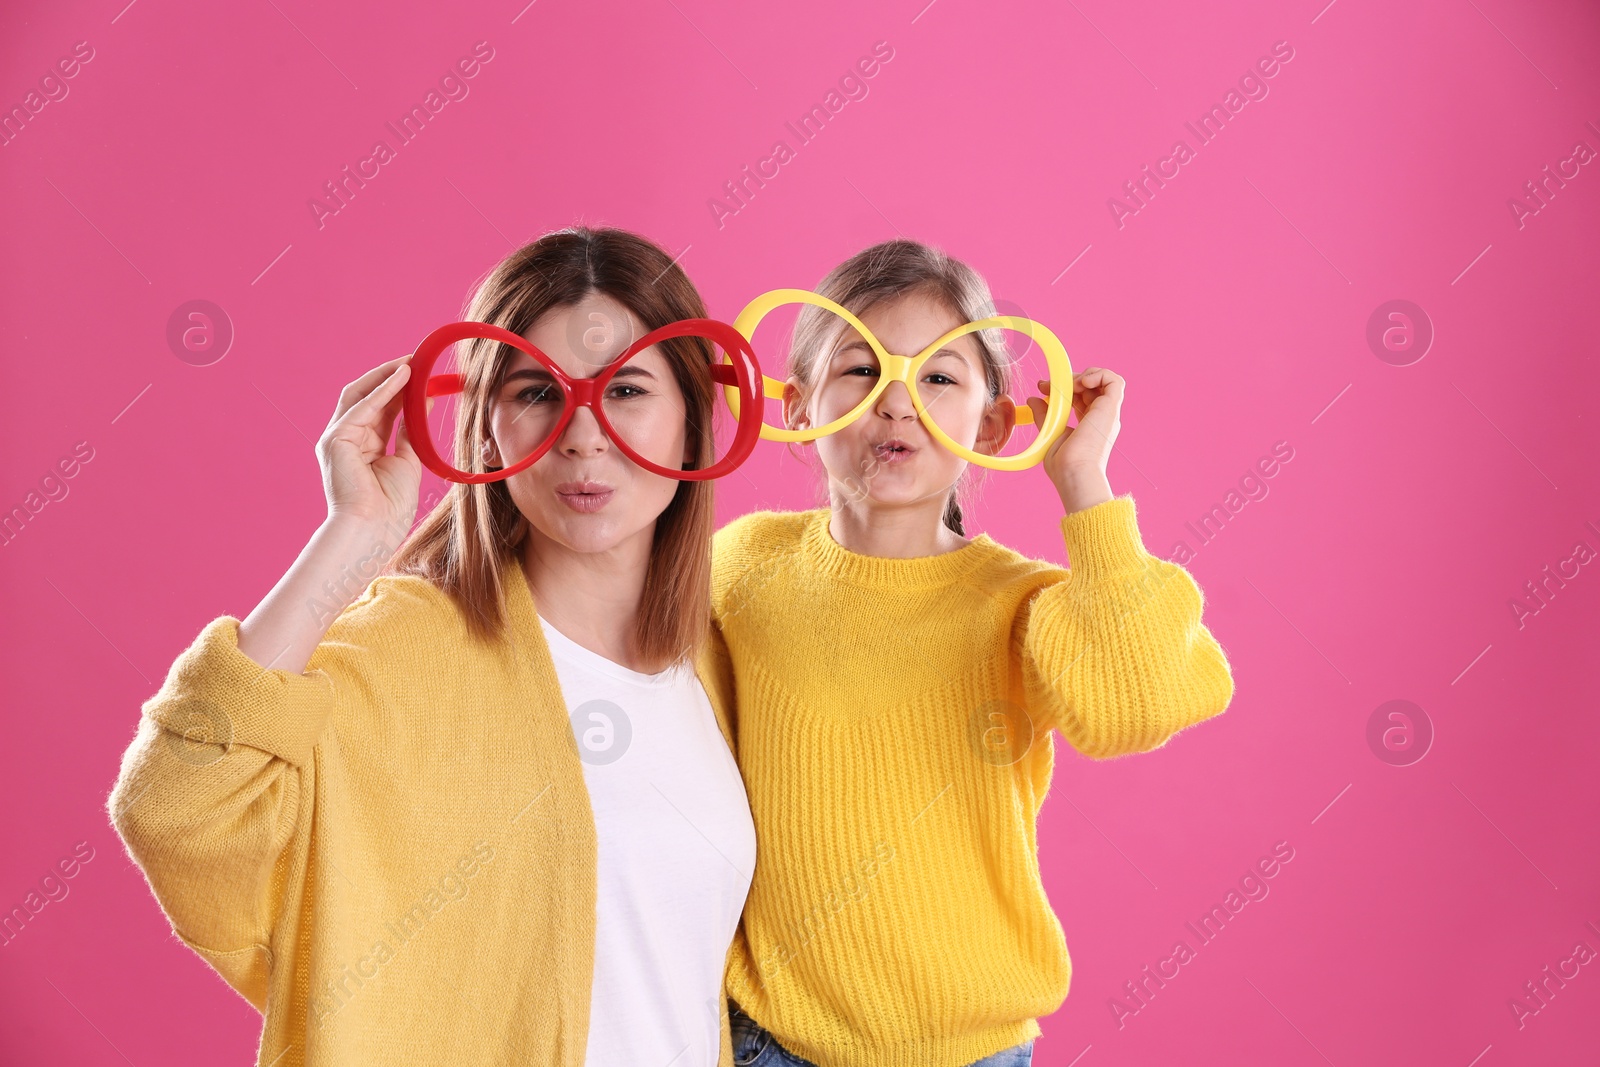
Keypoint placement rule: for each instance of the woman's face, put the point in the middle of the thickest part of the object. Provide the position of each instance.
(887, 455)
(584, 493)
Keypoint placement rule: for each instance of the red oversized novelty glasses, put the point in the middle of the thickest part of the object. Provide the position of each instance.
(637, 408)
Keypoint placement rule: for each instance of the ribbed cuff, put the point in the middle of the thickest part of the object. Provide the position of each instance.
(216, 695)
(1104, 539)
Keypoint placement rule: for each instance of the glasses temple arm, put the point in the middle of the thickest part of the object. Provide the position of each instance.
(772, 388)
(444, 384)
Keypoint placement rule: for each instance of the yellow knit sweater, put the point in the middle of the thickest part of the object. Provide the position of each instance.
(894, 733)
(392, 855)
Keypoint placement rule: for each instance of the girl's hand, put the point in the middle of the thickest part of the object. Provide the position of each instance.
(361, 482)
(1076, 463)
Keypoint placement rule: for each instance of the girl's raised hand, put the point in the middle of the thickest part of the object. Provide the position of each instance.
(363, 483)
(1076, 463)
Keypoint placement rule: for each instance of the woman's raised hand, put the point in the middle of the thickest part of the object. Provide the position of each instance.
(372, 501)
(363, 483)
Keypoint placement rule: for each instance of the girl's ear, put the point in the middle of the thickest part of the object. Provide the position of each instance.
(794, 408)
(996, 426)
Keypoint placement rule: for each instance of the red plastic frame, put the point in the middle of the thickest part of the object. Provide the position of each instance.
(743, 372)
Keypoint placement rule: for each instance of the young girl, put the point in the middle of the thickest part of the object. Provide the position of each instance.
(372, 818)
(898, 684)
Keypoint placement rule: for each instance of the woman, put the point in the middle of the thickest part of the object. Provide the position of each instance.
(372, 818)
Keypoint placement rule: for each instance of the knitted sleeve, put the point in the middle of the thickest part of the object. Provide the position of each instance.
(727, 565)
(741, 555)
(211, 789)
(1115, 656)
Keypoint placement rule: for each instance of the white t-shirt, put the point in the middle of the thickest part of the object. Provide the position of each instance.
(677, 850)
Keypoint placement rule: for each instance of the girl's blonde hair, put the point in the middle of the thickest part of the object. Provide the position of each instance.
(887, 271)
(475, 534)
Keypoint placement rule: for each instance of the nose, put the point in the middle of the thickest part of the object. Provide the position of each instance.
(895, 402)
(583, 435)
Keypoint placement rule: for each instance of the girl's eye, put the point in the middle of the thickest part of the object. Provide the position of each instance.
(866, 367)
(941, 379)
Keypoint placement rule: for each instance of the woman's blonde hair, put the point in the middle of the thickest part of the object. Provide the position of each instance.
(887, 271)
(466, 544)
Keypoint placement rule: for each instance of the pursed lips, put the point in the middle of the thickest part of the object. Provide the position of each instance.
(893, 450)
(586, 495)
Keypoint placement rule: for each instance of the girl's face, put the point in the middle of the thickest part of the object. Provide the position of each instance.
(887, 456)
(584, 493)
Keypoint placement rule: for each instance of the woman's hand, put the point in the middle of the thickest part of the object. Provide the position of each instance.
(372, 501)
(362, 483)
(1076, 463)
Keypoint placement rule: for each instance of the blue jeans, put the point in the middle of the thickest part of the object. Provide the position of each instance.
(754, 1046)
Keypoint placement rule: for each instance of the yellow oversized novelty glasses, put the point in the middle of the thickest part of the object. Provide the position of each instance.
(897, 368)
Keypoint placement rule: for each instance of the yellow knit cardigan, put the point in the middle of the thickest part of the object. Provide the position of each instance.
(392, 856)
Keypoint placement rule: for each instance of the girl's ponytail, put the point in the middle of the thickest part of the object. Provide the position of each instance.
(952, 515)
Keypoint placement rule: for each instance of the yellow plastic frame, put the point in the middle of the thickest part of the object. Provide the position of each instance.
(896, 368)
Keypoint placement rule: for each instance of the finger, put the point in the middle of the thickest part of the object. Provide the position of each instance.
(1082, 399)
(402, 443)
(362, 386)
(1098, 383)
(1090, 385)
(387, 416)
(369, 408)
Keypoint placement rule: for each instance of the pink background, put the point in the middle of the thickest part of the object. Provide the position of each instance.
(1380, 566)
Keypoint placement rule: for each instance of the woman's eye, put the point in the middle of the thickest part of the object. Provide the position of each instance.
(535, 394)
(627, 392)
